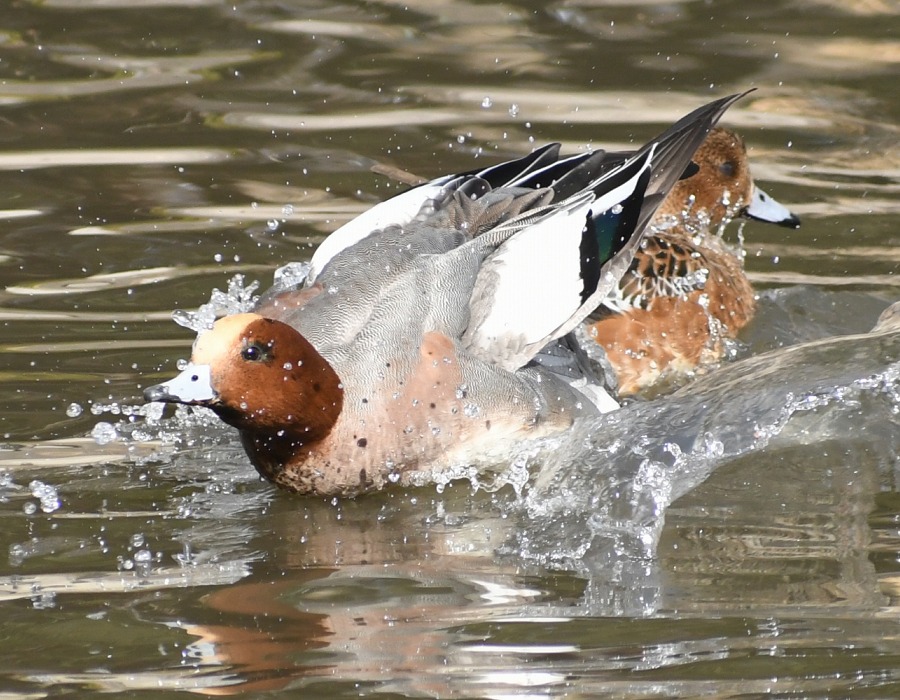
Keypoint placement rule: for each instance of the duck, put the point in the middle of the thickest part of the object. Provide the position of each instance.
(686, 291)
(431, 333)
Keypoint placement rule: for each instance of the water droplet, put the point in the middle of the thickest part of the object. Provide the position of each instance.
(137, 539)
(47, 495)
(143, 560)
(104, 433)
(291, 275)
(74, 410)
(272, 224)
(17, 554)
(487, 103)
(287, 210)
(514, 110)
(44, 600)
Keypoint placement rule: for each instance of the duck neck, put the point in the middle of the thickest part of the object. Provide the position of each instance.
(270, 454)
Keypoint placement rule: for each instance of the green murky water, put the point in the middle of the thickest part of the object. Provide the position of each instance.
(740, 538)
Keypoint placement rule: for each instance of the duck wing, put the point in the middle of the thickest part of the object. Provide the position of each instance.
(552, 266)
(406, 206)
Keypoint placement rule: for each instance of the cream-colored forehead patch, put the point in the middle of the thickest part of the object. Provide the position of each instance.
(213, 346)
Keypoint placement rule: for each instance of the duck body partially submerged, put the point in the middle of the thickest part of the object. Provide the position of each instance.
(418, 343)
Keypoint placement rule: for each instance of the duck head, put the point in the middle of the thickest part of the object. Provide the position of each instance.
(260, 376)
(723, 188)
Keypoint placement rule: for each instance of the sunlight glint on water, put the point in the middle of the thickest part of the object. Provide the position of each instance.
(737, 536)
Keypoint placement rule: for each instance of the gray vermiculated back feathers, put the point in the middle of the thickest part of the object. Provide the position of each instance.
(442, 270)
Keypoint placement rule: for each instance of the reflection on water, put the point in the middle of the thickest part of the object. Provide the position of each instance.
(736, 536)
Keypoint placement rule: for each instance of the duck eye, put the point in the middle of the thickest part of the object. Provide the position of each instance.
(254, 353)
(727, 168)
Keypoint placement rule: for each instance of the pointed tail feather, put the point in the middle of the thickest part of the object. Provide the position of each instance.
(617, 223)
(581, 245)
(675, 147)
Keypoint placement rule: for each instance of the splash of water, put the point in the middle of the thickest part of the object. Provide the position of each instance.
(515, 472)
(47, 496)
(238, 298)
(598, 505)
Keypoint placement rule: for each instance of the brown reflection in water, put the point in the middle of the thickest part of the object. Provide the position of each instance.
(265, 635)
(378, 610)
(269, 643)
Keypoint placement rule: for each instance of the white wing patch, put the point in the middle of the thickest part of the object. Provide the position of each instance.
(531, 290)
(531, 284)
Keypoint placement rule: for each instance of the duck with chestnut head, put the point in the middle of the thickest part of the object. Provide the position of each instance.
(687, 292)
(417, 340)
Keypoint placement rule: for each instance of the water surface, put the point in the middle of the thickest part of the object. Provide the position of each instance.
(735, 538)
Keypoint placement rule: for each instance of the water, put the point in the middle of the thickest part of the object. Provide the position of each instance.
(738, 537)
